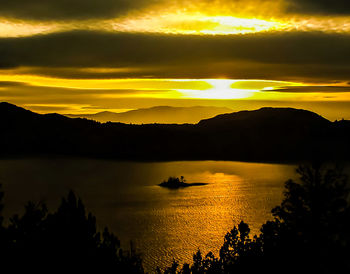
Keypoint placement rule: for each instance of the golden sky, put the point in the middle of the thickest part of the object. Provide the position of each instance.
(85, 56)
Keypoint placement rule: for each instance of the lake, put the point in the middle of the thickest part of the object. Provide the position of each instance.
(162, 223)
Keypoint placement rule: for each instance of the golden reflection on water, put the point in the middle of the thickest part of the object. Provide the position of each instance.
(164, 224)
(193, 218)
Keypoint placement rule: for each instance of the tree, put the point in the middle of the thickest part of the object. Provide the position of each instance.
(65, 240)
(312, 223)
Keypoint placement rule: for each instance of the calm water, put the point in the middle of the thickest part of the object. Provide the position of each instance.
(164, 224)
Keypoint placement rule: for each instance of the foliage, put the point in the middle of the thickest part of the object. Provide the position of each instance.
(65, 240)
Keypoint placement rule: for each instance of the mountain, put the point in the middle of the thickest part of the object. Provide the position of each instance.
(159, 114)
(267, 134)
(265, 117)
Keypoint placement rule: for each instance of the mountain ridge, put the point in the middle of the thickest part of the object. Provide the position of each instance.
(157, 114)
(267, 134)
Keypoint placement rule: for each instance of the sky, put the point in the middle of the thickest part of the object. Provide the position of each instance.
(86, 56)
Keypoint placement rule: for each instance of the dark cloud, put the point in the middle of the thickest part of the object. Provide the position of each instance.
(340, 7)
(82, 73)
(106, 49)
(231, 70)
(321, 89)
(6, 84)
(69, 9)
(102, 9)
(146, 55)
(97, 9)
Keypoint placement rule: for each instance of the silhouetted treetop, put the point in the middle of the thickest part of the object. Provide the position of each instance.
(65, 240)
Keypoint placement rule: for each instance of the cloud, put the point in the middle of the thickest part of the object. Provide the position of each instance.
(335, 7)
(59, 98)
(275, 55)
(23, 90)
(313, 89)
(63, 10)
(69, 9)
(68, 100)
(7, 84)
(107, 49)
(75, 10)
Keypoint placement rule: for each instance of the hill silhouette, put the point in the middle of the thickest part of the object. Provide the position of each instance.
(264, 117)
(267, 134)
(158, 114)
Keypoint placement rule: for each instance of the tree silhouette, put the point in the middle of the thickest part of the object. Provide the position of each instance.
(65, 240)
(312, 223)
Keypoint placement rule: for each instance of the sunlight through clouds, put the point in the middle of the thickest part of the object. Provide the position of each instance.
(16, 28)
(56, 53)
(221, 89)
(182, 23)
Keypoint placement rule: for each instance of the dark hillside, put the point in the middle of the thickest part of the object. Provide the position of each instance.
(267, 134)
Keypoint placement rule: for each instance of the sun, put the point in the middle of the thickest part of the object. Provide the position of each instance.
(220, 89)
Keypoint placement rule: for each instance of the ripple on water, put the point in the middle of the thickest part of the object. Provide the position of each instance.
(164, 224)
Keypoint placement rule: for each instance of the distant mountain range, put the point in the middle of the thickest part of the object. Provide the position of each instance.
(159, 114)
(267, 134)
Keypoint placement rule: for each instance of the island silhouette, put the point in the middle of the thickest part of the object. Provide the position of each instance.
(175, 183)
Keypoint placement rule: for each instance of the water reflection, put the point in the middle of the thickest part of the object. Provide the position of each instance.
(163, 223)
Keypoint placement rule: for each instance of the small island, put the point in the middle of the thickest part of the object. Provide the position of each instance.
(175, 183)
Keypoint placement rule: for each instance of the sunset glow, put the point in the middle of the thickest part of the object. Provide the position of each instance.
(195, 24)
(146, 53)
(182, 125)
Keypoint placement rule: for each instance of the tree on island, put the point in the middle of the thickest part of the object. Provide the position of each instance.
(309, 233)
(175, 183)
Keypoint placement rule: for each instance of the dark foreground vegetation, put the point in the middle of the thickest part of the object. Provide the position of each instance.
(267, 134)
(64, 241)
(309, 234)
